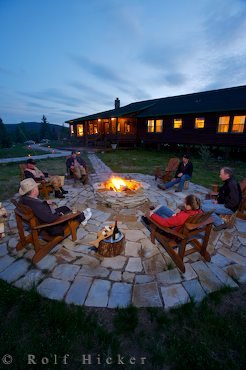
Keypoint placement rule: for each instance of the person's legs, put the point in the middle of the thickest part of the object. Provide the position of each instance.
(76, 172)
(169, 184)
(164, 212)
(217, 209)
(182, 181)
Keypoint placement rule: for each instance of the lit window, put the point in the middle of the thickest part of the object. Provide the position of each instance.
(199, 123)
(177, 123)
(91, 129)
(238, 124)
(151, 125)
(224, 124)
(106, 123)
(80, 130)
(127, 128)
(95, 128)
(158, 125)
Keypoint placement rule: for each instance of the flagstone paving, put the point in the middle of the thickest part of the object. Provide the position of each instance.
(143, 275)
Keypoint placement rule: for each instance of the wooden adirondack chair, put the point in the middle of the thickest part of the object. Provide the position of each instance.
(38, 236)
(189, 234)
(169, 171)
(45, 188)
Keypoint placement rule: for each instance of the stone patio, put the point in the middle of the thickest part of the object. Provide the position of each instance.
(143, 275)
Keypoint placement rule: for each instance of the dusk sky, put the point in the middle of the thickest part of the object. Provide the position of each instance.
(69, 58)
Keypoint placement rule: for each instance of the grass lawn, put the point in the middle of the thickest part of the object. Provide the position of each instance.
(144, 161)
(208, 336)
(19, 150)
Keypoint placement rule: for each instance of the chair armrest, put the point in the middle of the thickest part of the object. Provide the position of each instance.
(191, 226)
(166, 229)
(60, 220)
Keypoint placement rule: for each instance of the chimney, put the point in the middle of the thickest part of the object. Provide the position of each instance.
(117, 103)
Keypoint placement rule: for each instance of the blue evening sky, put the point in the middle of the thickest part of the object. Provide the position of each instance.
(70, 58)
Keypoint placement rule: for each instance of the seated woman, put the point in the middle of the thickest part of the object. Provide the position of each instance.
(164, 216)
(45, 211)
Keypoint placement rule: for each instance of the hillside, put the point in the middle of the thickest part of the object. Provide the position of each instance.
(31, 130)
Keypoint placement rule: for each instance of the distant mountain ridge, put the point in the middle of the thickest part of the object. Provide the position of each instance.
(29, 125)
(31, 130)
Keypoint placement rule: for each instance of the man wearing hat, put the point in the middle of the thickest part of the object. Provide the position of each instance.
(33, 172)
(183, 173)
(77, 167)
(45, 210)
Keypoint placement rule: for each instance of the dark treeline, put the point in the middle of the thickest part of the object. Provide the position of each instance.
(36, 131)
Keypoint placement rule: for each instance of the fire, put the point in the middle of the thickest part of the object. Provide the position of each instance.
(118, 184)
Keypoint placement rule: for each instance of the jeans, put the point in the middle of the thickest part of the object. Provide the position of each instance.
(218, 209)
(164, 212)
(181, 180)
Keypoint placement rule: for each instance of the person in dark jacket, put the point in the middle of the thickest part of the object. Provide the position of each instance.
(45, 211)
(77, 166)
(183, 173)
(228, 200)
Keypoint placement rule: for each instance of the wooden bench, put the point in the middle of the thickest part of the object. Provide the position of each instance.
(42, 241)
(176, 242)
(45, 188)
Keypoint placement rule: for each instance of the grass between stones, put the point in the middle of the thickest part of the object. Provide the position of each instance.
(210, 335)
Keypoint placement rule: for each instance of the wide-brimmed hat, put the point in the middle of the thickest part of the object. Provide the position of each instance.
(27, 185)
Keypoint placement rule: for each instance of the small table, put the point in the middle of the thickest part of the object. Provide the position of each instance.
(111, 248)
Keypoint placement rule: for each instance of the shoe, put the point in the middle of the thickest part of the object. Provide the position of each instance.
(58, 194)
(87, 214)
(63, 191)
(178, 191)
(220, 227)
(145, 220)
(162, 187)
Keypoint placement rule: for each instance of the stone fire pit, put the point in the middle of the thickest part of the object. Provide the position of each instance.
(126, 193)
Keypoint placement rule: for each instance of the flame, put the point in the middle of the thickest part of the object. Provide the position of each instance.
(118, 184)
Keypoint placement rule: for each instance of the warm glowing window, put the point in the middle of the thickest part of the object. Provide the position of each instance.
(199, 123)
(71, 130)
(90, 128)
(80, 130)
(106, 123)
(127, 128)
(177, 123)
(113, 126)
(238, 124)
(151, 125)
(95, 128)
(224, 124)
(158, 125)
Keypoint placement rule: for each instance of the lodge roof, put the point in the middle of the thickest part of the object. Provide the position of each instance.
(228, 99)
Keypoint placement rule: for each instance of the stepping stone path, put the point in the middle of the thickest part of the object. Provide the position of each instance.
(143, 275)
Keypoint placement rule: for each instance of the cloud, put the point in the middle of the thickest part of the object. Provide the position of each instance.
(53, 95)
(97, 69)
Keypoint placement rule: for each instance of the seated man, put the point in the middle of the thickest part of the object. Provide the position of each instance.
(45, 210)
(228, 200)
(77, 167)
(183, 173)
(33, 172)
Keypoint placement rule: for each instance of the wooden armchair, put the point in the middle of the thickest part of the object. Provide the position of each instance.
(38, 236)
(168, 173)
(45, 188)
(189, 234)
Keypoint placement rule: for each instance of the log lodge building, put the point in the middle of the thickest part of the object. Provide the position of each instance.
(214, 118)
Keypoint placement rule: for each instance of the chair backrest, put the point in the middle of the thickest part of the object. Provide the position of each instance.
(172, 164)
(197, 221)
(243, 186)
(22, 169)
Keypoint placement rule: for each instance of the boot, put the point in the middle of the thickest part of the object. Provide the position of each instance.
(83, 179)
(63, 191)
(58, 194)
